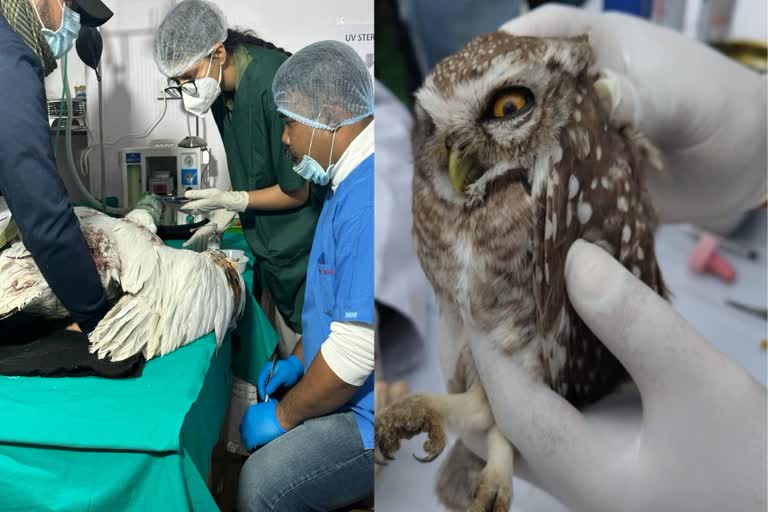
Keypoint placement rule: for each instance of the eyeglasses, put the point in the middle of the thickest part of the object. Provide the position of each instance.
(174, 86)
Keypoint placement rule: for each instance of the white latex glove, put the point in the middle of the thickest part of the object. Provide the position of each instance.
(219, 220)
(699, 443)
(214, 199)
(704, 111)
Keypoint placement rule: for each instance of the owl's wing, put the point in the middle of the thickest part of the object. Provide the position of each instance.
(594, 192)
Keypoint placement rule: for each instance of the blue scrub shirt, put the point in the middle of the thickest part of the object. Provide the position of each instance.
(340, 277)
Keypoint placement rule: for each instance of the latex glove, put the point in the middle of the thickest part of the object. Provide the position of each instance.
(214, 199)
(700, 441)
(705, 112)
(260, 425)
(287, 374)
(219, 220)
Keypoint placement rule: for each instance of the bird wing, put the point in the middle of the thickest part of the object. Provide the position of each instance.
(23, 287)
(594, 191)
(186, 296)
(139, 251)
(170, 297)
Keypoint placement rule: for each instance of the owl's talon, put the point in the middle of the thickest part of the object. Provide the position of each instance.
(492, 494)
(405, 419)
(429, 458)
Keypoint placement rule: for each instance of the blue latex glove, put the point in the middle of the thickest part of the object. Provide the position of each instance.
(287, 373)
(260, 425)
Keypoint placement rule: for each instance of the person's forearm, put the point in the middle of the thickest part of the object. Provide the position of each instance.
(298, 350)
(273, 198)
(319, 392)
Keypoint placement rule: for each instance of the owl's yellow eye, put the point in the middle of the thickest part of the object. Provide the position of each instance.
(510, 102)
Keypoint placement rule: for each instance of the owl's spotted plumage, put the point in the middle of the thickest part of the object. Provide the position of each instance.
(515, 159)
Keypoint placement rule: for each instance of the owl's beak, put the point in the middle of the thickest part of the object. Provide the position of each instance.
(461, 172)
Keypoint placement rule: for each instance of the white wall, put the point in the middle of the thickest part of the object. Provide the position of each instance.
(750, 20)
(131, 80)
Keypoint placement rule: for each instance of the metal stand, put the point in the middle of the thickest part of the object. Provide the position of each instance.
(101, 143)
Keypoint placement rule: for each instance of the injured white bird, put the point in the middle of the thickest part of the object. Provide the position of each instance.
(166, 298)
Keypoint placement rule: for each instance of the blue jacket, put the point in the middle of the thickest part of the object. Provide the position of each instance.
(34, 190)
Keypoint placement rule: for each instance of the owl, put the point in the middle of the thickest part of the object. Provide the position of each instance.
(516, 157)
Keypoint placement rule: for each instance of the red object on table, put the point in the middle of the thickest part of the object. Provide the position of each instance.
(705, 258)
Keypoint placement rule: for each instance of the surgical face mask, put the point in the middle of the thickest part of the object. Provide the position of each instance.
(312, 171)
(208, 90)
(64, 38)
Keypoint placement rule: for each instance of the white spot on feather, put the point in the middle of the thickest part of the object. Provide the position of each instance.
(622, 204)
(626, 233)
(573, 187)
(584, 136)
(574, 137)
(584, 211)
(557, 154)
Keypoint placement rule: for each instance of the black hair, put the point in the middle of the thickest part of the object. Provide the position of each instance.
(238, 37)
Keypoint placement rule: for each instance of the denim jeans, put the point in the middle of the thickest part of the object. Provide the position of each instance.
(319, 465)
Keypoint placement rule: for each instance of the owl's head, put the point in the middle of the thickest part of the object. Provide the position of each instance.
(491, 111)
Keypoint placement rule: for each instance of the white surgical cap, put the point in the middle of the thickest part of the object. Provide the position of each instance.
(187, 34)
(324, 85)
